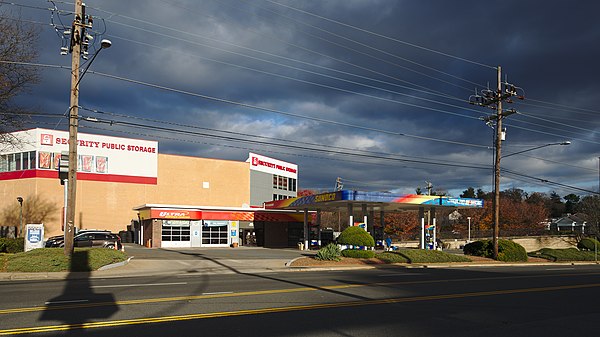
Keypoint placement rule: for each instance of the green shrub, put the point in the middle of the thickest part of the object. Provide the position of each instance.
(508, 251)
(356, 236)
(478, 248)
(331, 252)
(588, 244)
(359, 254)
(12, 246)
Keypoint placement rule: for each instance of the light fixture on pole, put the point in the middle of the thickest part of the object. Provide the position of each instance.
(20, 200)
(80, 24)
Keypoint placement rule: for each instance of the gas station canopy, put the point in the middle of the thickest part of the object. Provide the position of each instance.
(376, 201)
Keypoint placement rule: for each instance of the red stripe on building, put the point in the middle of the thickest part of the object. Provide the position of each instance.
(115, 178)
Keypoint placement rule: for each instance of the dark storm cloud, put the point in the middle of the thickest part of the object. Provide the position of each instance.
(247, 51)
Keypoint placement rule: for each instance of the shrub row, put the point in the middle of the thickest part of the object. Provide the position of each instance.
(590, 244)
(430, 256)
(508, 251)
(12, 246)
(568, 254)
(392, 257)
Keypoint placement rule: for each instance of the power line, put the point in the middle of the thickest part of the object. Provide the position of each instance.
(384, 36)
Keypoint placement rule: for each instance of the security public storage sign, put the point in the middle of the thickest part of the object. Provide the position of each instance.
(34, 236)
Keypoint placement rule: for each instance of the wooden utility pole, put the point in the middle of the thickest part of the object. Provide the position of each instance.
(494, 99)
(497, 165)
(75, 48)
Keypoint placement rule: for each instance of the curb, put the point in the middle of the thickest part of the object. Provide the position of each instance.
(114, 265)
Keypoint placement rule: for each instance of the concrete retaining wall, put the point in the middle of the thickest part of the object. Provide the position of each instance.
(530, 243)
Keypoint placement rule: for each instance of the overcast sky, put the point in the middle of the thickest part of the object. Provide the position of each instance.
(373, 91)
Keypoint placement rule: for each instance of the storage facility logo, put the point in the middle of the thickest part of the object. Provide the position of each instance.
(46, 139)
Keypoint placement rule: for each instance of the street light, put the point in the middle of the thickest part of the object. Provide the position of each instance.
(80, 23)
(20, 200)
(566, 142)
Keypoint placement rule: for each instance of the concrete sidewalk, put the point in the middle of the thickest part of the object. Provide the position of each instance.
(155, 261)
(249, 260)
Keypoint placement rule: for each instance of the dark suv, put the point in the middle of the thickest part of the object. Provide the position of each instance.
(88, 238)
(57, 241)
(98, 239)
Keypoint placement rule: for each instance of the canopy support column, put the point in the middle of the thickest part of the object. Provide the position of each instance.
(350, 215)
(306, 230)
(422, 218)
(319, 227)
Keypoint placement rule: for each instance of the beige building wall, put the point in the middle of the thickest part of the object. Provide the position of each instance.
(105, 205)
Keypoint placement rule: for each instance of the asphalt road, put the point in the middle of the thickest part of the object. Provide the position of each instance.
(394, 301)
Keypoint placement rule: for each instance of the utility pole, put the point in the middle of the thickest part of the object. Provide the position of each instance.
(497, 166)
(77, 37)
(429, 187)
(339, 185)
(493, 99)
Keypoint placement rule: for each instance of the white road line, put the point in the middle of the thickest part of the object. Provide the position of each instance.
(236, 261)
(61, 302)
(399, 274)
(140, 285)
(218, 293)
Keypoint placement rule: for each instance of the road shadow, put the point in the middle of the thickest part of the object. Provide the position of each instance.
(267, 277)
(78, 303)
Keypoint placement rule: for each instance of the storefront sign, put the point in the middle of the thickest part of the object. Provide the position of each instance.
(100, 158)
(175, 214)
(272, 166)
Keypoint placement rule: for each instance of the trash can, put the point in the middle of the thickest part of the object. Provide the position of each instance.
(301, 245)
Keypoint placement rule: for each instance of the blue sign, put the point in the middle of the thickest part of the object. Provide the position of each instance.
(233, 232)
(34, 235)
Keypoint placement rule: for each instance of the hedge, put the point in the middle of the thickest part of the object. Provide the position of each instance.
(12, 246)
(356, 236)
(588, 244)
(508, 251)
(568, 254)
(359, 254)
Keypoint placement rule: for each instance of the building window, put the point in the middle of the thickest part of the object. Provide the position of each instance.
(3, 163)
(275, 181)
(32, 163)
(17, 161)
(292, 184)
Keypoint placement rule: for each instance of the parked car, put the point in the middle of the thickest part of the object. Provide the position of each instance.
(88, 238)
(97, 239)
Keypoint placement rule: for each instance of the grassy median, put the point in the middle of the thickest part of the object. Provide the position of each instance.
(54, 260)
(420, 256)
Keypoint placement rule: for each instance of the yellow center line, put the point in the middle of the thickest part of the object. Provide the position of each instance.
(263, 292)
(163, 319)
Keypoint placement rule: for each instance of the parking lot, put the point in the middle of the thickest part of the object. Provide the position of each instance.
(239, 253)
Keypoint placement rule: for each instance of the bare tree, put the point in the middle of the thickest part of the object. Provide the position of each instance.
(17, 44)
(36, 209)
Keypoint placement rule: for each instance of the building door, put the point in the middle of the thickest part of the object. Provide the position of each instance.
(215, 233)
(196, 231)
